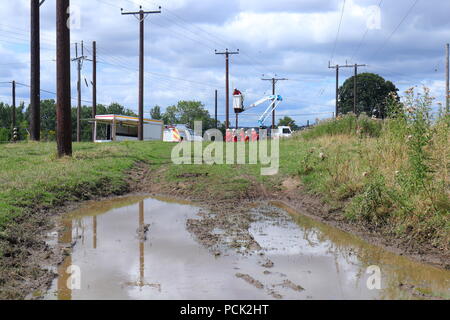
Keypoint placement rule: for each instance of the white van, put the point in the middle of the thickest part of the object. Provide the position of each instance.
(282, 132)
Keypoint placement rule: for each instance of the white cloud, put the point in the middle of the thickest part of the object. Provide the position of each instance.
(292, 38)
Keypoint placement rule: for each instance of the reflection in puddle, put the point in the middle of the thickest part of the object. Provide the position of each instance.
(137, 248)
(117, 262)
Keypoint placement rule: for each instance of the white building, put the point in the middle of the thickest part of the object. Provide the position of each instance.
(112, 127)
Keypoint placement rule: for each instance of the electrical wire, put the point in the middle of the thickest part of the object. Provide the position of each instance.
(395, 30)
(338, 31)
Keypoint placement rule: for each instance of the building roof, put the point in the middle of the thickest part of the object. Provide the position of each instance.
(108, 118)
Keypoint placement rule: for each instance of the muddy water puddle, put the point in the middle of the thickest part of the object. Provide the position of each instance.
(139, 248)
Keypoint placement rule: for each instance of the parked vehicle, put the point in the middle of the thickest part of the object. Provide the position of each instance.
(282, 132)
(179, 133)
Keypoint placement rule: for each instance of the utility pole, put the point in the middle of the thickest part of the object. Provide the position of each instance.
(337, 86)
(13, 104)
(35, 74)
(141, 15)
(79, 60)
(63, 104)
(274, 82)
(94, 86)
(338, 67)
(215, 112)
(355, 87)
(447, 87)
(227, 84)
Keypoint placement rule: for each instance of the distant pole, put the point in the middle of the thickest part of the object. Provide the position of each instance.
(227, 84)
(141, 76)
(13, 104)
(237, 121)
(79, 97)
(63, 105)
(447, 86)
(337, 90)
(354, 88)
(142, 15)
(337, 67)
(337, 85)
(35, 90)
(274, 82)
(215, 109)
(94, 86)
(273, 112)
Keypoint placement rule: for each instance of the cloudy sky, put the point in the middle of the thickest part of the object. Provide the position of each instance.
(292, 39)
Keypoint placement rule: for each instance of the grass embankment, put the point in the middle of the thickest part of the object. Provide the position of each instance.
(378, 176)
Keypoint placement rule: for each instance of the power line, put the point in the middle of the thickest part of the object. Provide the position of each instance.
(219, 41)
(395, 30)
(338, 31)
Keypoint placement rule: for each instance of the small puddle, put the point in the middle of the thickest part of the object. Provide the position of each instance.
(139, 248)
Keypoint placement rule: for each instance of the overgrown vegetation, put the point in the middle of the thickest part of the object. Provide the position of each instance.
(391, 175)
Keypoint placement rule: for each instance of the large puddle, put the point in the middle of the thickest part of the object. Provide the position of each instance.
(115, 257)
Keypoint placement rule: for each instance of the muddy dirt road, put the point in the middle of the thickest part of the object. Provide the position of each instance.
(147, 248)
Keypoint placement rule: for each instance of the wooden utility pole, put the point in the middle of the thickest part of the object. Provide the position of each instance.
(94, 86)
(13, 105)
(63, 104)
(447, 85)
(337, 67)
(337, 87)
(215, 110)
(35, 74)
(227, 84)
(355, 87)
(274, 82)
(79, 60)
(142, 15)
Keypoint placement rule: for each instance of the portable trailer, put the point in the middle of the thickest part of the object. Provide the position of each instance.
(125, 128)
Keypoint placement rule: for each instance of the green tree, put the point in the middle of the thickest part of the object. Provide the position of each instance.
(118, 109)
(170, 116)
(288, 122)
(187, 112)
(372, 95)
(155, 113)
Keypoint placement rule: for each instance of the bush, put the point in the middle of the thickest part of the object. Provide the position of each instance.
(349, 125)
(5, 135)
(374, 206)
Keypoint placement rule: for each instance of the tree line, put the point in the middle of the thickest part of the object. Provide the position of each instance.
(48, 120)
(373, 92)
(185, 112)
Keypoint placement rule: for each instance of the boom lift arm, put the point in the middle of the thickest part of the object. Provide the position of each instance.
(275, 102)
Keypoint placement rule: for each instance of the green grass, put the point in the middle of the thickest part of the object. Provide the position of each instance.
(33, 177)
